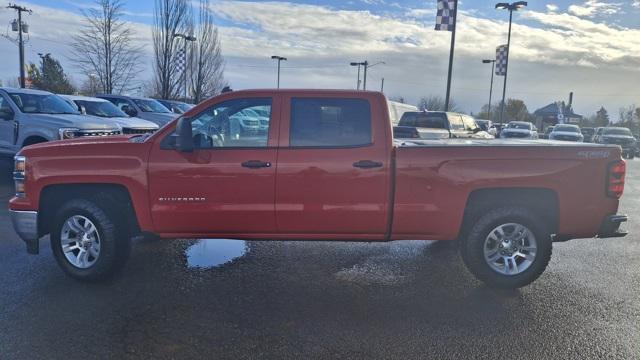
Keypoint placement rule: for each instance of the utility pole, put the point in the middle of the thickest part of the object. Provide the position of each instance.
(366, 66)
(20, 10)
(44, 58)
(382, 86)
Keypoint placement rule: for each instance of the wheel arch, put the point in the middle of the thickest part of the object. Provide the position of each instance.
(115, 197)
(543, 202)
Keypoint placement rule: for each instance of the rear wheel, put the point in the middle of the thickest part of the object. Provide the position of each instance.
(88, 240)
(508, 247)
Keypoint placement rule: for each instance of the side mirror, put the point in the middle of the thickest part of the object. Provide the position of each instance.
(83, 110)
(184, 140)
(129, 111)
(6, 114)
(477, 130)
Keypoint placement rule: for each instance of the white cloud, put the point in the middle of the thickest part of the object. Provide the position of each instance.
(551, 55)
(636, 3)
(552, 7)
(593, 8)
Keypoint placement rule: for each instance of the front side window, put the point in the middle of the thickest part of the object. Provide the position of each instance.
(455, 122)
(469, 123)
(330, 122)
(234, 123)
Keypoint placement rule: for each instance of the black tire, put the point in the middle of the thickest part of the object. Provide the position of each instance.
(472, 247)
(114, 243)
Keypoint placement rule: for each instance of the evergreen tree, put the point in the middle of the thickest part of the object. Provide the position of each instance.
(50, 76)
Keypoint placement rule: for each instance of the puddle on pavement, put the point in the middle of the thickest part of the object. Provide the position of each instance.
(211, 253)
(388, 267)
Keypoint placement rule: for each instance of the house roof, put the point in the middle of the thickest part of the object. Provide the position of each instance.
(553, 110)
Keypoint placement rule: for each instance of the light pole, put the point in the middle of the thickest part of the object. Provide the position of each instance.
(511, 7)
(493, 66)
(185, 38)
(44, 57)
(358, 64)
(280, 59)
(366, 66)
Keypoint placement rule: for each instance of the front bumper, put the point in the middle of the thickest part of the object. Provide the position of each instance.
(610, 227)
(25, 223)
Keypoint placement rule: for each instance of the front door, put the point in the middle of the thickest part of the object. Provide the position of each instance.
(333, 169)
(7, 126)
(227, 185)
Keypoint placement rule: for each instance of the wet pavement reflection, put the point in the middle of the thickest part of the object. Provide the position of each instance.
(211, 253)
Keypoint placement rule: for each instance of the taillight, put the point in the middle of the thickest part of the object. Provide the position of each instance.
(615, 179)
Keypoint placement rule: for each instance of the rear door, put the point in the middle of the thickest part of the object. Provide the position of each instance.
(333, 175)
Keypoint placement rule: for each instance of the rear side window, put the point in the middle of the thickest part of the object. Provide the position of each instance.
(423, 120)
(330, 122)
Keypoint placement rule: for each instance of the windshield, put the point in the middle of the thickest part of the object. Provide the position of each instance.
(567, 128)
(183, 106)
(617, 131)
(149, 105)
(101, 108)
(42, 104)
(521, 126)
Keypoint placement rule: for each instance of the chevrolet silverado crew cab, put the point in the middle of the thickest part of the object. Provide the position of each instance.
(325, 168)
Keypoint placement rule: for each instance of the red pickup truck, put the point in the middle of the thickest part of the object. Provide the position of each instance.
(314, 165)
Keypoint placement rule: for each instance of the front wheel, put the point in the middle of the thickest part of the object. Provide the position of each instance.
(508, 247)
(87, 240)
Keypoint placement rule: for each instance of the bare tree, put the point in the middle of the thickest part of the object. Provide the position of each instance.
(105, 49)
(436, 103)
(171, 17)
(206, 63)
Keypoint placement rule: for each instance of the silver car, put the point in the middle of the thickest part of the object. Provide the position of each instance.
(32, 116)
(105, 109)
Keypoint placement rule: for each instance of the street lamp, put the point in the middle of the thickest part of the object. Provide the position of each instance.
(358, 64)
(511, 7)
(366, 66)
(280, 59)
(493, 65)
(44, 57)
(185, 38)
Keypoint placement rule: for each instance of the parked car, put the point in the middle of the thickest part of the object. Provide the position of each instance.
(105, 109)
(566, 132)
(438, 125)
(546, 133)
(619, 136)
(519, 130)
(488, 126)
(588, 133)
(327, 169)
(31, 116)
(176, 107)
(143, 108)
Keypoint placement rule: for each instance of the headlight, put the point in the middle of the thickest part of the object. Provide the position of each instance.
(19, 173)
(68, 133)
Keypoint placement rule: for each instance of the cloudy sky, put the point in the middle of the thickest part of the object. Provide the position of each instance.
(590, 47)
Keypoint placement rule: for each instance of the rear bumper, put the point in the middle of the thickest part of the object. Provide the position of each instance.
(25, 223)
(610, 227)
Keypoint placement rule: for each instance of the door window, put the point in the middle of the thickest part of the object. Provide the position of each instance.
(469, 123)
(325, 122)
(234, 123)
(455, 122)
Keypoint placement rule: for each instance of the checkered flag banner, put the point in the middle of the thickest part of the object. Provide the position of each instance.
(180, 62)
(445, 18)
(501, 60)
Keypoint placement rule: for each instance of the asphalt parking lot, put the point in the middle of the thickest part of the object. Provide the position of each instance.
(405, 300)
